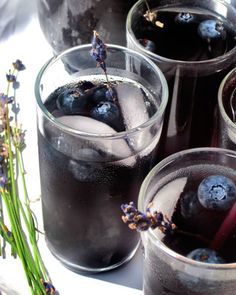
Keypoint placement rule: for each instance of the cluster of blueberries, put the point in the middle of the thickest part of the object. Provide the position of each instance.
(88, 99)
(98, 101)
(215, 192)
(207, 30)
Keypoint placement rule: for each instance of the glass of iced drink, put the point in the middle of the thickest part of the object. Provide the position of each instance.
(226, 123)
(98, 137)
(193, 42)
(195, 190)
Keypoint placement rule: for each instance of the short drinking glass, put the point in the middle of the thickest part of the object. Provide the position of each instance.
(193, 42)
(173, 187)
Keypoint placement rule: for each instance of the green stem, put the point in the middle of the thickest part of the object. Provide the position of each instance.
(10, 162)
(29, 222)
(22, 248)
(23, 243)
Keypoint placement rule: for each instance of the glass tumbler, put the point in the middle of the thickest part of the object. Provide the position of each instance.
(167, 269)
(226, 136)
(87, 168)
(193, 43)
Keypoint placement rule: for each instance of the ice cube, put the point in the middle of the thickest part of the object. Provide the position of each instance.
(134, 111)
(86, 124)
(116, 149)
(132, 104)
(86, 171)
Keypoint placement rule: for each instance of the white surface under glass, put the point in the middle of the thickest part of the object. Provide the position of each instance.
(21, 38)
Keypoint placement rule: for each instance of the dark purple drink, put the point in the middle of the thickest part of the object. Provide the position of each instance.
(67, 23)
(98, 136)
(196, 190)
(83, 184)
(195, 48)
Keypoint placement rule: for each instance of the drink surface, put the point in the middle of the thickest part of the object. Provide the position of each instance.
(84, 182)
(185, 210)
(197, 37)
(188, 34)
(122, 104)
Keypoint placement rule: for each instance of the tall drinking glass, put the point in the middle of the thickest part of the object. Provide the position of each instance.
(89, 166)
(193, 42)
(171, 187)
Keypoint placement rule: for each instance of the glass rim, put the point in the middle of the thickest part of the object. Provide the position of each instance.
(224, 114)
(149, 122)
(141, 198)
(170, 61)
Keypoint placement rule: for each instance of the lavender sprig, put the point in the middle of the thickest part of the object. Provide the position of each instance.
(99, 54)
(141, 222)
(99, 51)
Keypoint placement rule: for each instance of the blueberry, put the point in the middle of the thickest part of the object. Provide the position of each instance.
(205, 255)
(98, 94)
(71, 101)
(148, 44)
(184, 17)
(106, 112)
(211, 29)
(101, 93)
(217, 192)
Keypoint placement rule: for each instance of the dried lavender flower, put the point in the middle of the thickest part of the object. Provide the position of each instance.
(99, 54)
(98, 51)
(141, 222)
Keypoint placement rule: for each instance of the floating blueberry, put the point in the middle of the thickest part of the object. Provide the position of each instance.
(211, 29)
(101, 93)
(184, 18)
(205, 255)
(148, 44)
(217, 192)
(107, 112)
(71, 101)
(98, 94)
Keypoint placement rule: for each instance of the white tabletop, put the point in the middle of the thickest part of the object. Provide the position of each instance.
(21, 38)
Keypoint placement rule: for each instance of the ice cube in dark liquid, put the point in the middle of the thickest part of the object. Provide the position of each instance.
(189, 35)
(82, 192)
